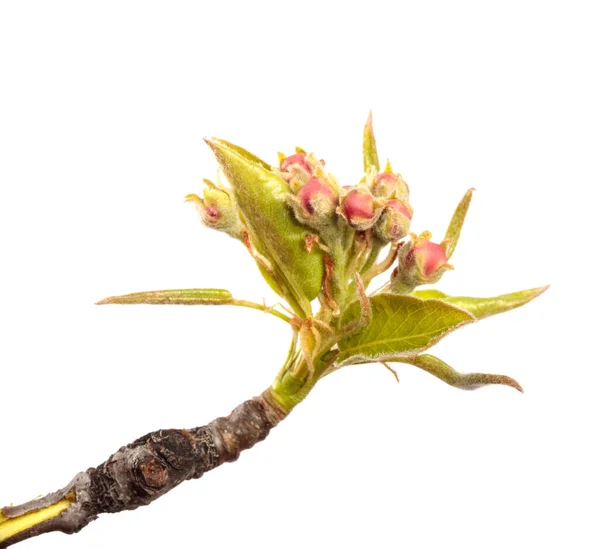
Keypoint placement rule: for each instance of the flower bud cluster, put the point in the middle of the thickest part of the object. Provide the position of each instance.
(378, 202)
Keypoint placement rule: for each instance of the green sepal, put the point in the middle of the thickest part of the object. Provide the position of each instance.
(449, 375)
(370, 157)
(401, 326)
(458, 218)
(482, 307)
(191, 296)
(261, 197)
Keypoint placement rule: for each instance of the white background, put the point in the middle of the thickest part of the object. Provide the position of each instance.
(102, 109)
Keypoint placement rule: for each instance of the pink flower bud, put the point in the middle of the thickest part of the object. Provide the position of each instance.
(296, 160)
(384, 184)
(400, 207)
(299, 168)
(394, 221)
(430, 257)
(359, 208)
(317, 196)
(419, 262)
(389, 185)
(315, 203)
(357, 204)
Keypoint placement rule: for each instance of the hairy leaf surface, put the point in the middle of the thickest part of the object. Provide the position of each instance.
(261, 197)
(456, 223)
(189, 296)
(481, 307)
(370, 157)
(401, 326)
(449, 375)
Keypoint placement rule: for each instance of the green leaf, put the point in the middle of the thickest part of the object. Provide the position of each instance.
(245, 154)
(192, 296)
(481, 307)
(456, 223)
(429, 294)
(370, 157)
(261, 197)
(401, 326)
(449, 375)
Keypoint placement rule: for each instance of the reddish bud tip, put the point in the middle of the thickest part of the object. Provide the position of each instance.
(212, 215)
(358, 207)
(394, 222)
(419, 262)
(296, 160)
(389, 185)
(384, 184)
(430, 257)
(399, 206)
(316, 195)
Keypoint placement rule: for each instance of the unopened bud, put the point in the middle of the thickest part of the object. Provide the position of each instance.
(394, 222)
(383, 185)
(299, 168)
(430, 258)
(389, 185)
(315, 203)
(359, 208)
(420, 261)
(217, 210)
(296, 160)
(317, 196)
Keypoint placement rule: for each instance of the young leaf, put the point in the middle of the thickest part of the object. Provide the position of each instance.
(456, 223)
(370, 157)
(401, 326)
(449, 375)
(429, 294)
(244, 153)
(261, 197)
(481, 307)
(192, 296)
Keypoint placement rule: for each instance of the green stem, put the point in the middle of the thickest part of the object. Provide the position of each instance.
(259, 307)
(377, 246)
(293, 383)
(297, 377)
(339, 277)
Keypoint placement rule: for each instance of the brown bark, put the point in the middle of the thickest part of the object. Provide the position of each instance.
(149, 467)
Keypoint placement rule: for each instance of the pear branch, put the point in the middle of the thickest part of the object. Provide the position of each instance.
(142, 471)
